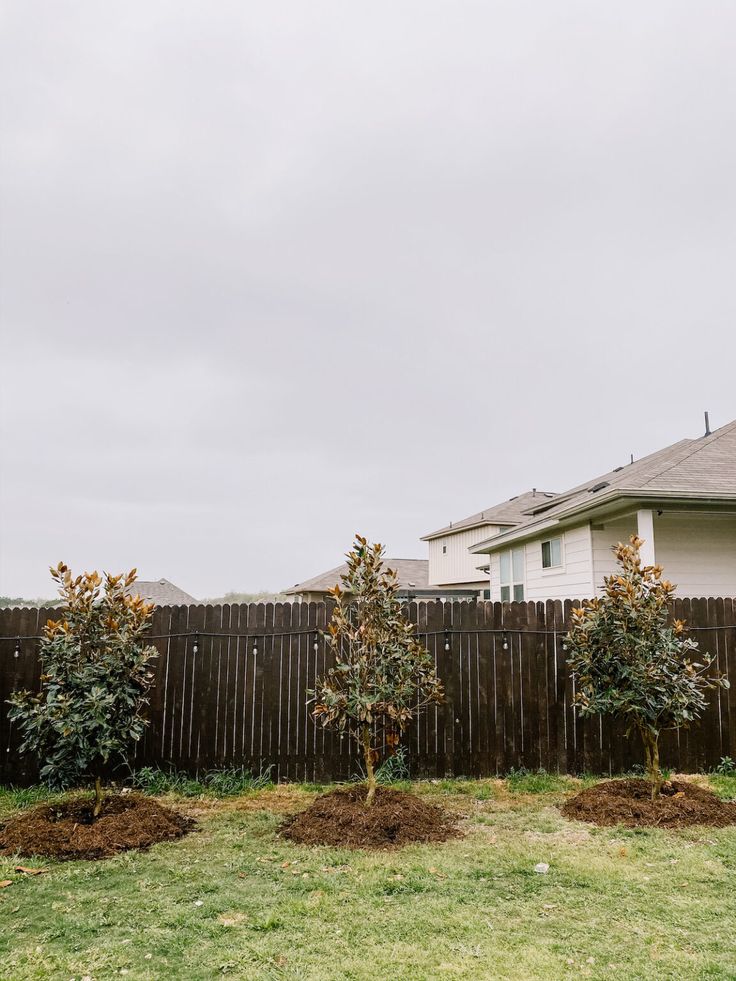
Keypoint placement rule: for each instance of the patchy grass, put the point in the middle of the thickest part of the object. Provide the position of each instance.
(724, 786)
(15, 798)
(235, 900)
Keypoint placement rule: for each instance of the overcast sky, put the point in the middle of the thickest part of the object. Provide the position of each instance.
(273, 273)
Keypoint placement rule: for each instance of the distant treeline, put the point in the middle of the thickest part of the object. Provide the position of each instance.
(262, 597)
(6, 601)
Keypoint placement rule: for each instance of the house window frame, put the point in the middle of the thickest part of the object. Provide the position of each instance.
(515, 582)
(552, 570)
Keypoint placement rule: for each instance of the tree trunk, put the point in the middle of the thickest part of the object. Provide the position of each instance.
(97, 809)
(368, 757)
(651, 749)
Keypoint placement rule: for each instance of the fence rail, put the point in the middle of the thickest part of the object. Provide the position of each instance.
(231, 687)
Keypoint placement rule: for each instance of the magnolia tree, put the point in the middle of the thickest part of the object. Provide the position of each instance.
(89, 710)
(630, 662)
(382, 674)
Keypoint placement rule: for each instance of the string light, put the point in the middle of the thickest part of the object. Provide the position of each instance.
(316, 642)
(447, 640)
(195, 645)
(505, 642)
(255, 645)
(16, 652)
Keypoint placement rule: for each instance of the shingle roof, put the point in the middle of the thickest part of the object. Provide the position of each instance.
(509, 512)
(162, 593)
(695, 468)
(412, 573)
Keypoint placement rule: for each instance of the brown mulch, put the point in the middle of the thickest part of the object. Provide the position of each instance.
(66, 831)
(341, 819)
(681, 804)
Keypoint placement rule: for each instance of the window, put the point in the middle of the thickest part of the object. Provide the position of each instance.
(444, 549)
(512, 575)
(552, 553)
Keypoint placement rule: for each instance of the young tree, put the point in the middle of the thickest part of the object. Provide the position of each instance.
(93, 693)
(631, 663)
(382, 673)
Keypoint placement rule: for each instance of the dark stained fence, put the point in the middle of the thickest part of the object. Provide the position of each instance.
(232, 681)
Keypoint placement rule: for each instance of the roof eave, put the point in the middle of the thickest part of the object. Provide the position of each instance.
(603, 503)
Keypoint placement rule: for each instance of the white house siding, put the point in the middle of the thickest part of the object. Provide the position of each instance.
(458, 566)
(605, 536)
(572, 581)
(697, 551)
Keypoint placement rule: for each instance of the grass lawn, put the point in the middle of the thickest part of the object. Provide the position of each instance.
(234, 900)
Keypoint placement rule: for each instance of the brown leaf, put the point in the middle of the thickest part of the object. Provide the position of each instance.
(5, 883)
(27, 871)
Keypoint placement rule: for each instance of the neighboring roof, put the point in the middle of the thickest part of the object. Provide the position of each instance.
(509, 512)
(161, 592)
(701, 469)
(413, 573)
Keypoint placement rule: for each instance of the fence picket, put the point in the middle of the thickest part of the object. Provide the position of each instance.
(241, 699)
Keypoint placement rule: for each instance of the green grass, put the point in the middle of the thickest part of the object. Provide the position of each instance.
(724, 786)
(234, 900)
(524, 781)
(223, 782)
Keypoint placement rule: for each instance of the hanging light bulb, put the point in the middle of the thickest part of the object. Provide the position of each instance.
(195, 645)
(505, 642)
(255, 645)
(16, 652)
(447, 640)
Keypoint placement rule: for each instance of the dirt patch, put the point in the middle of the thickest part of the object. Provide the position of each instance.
(66, 831)
(341, 819)
(680, 805)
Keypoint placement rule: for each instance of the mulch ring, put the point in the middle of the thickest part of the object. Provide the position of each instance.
(66, 831)
(681, 804)
(341, 819)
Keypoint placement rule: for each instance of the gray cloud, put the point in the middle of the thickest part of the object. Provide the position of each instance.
(272, 274)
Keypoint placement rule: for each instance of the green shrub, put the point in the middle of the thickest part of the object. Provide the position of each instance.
(726, 768)
(382, 674)
(631, 663)
(90, 708)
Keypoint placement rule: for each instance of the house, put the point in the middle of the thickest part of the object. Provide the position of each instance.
(162, 593)
(412, 576)
(680, 500)
(452, 564)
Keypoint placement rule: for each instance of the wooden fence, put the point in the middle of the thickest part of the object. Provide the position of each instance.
(231, 689)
